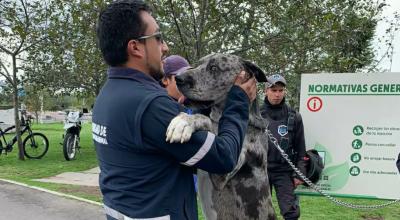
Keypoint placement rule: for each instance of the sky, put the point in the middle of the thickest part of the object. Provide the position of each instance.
(385, 64)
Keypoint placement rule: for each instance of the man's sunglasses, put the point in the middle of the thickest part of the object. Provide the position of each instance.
(157, 36)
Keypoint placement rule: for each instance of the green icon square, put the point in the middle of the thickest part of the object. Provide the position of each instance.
(357, 144)
(355, 158)
(354, 171)
(358, 130)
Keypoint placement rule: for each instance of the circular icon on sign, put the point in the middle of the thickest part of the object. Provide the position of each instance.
(355, 158)
(314, 104)
(357, 144)
(354, 171)
(358, 130)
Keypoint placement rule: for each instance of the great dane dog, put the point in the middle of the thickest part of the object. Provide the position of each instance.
(245, 192)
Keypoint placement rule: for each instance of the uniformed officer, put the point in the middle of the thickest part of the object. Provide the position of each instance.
(287, 127)
(142, 176)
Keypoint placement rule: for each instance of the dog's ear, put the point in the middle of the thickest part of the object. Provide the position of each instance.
(254, 70)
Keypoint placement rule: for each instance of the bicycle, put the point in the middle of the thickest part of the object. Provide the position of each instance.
(35, 145)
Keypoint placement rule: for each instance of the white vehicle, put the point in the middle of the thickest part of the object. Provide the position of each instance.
(72, 127)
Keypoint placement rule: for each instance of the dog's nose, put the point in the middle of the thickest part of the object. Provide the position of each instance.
(182, 80)
(179, 80)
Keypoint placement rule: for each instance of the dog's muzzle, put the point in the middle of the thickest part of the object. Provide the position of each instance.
(184, 81)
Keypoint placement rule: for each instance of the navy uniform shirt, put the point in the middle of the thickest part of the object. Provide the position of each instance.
(278, 116)
(143, 176)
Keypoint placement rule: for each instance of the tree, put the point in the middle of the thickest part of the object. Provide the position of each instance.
(23, 24)
(289, 37)
(286, 36)
(72, 58)
(34, 99)
(4, 95)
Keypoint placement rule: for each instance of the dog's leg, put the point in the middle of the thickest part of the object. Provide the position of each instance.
(181, 127)
(205, 194)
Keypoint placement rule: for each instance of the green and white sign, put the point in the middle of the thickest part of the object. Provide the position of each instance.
(353, 120)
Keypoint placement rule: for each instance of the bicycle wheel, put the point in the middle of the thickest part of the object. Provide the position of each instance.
(69, 146)
(35, 146)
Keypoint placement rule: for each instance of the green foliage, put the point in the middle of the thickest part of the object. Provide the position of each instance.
(289, 37)
(71, 60)
(5, 94)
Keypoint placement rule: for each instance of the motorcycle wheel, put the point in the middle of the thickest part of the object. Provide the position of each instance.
(70, 144)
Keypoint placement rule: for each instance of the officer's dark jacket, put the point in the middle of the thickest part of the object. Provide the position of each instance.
(278, 115)
(141, 175)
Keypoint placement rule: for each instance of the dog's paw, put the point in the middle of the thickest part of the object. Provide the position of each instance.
(180, 129)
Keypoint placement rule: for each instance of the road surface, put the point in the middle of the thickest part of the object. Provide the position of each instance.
(21, 203)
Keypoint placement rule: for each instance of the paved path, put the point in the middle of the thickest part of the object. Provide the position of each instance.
(84, 178)
(21, 203)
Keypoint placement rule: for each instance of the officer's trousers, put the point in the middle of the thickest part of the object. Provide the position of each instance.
(284, 189)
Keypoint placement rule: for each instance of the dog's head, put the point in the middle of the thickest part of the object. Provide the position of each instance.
(209, 82)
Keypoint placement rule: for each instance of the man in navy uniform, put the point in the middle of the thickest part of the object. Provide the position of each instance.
(142, 176)
(287, 127)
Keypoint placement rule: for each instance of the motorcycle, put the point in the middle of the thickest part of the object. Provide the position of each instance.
(72, 127)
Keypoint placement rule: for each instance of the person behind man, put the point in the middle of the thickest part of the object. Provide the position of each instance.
(142, 176)
(173, 65)
(286, 126)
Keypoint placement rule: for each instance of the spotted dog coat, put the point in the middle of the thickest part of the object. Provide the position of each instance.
(244, 193)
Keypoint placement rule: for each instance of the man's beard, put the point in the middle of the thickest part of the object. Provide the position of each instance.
(157, 74)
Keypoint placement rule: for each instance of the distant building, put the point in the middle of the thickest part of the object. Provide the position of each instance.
(7, 117)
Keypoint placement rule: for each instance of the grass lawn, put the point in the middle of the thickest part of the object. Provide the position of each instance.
(53, 163)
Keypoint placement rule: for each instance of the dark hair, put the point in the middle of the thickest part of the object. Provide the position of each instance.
(119, 23)
(167, 76)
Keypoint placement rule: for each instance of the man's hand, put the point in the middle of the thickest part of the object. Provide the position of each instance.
(297, 182)
(248, 85)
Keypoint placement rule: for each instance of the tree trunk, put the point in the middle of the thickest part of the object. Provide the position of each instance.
(36, 116)
(16, 115)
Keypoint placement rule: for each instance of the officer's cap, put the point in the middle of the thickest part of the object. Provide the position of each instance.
(274, 79)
